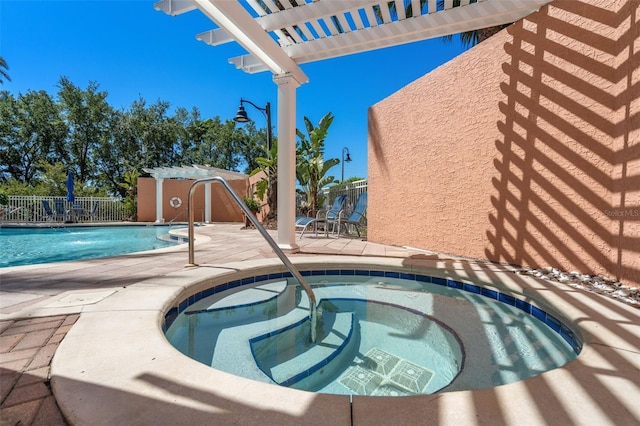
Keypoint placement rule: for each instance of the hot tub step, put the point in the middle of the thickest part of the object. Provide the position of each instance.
(287, 356)
(249, 305)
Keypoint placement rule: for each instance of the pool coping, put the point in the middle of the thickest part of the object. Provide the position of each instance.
(116, 366)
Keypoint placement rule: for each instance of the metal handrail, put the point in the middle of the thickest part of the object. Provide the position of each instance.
(287, 263)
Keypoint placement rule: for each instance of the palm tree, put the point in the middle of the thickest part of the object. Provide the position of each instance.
(311, 167)
(3, 73)
(471, 38)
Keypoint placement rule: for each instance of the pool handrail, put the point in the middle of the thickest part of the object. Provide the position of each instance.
(287, 263)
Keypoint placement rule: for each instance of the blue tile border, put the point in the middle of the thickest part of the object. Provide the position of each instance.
(438, 280)
(455, 284)
(552, 322)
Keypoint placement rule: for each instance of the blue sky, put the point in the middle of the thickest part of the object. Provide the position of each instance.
(131, 50)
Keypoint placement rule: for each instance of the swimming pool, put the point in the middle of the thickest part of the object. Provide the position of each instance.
(382, 333)
(31, 245)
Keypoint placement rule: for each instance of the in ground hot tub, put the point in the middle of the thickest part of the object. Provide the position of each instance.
(383, 333)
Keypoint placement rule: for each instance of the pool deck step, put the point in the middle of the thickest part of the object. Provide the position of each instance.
(288, 357)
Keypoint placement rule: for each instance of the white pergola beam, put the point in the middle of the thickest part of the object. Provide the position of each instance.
(452, 21)
(174, 7)
(265, 54)
(237, 22)
(310, 12)
(215, 37)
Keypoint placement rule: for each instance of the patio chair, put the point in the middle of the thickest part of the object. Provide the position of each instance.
(60, 209)
(333, 215)
(51, 214)
(358, 213)
(89, 215)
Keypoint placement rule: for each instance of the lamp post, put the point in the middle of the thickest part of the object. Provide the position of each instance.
(241, 117)
(272, 188)
(348, 160)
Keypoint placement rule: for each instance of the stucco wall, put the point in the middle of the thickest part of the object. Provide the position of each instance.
(525, 149)
(223, 208)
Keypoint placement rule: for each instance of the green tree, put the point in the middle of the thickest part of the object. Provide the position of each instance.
(30, 127)
(80, 130)
(50, 181)
(311, 167)
(139, 137)
(53, 180)
(86, 113)
(3, 70)
(191, 132)
(252, 144)
(152, 134)
(219, 148)
(113, 154)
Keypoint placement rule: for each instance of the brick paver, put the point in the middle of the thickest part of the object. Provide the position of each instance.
(26, 349)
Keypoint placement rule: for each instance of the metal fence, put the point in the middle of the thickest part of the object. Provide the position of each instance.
(30, 208)
(351, 189)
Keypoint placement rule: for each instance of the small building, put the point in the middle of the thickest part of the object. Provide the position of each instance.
(163, 196)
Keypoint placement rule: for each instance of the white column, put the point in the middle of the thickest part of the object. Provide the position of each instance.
(207, 203)
(287, 86)
(159, 218)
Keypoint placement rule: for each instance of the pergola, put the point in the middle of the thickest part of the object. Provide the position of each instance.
(279, 35)
(189, 172)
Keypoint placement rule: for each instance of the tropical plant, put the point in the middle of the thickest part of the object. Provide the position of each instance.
(311, 167)
(471, 38)
(269, 183)
(130, 184)
(3, 72)
(252, 204)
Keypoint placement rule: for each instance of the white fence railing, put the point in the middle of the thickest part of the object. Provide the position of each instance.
(352, 189)
(31, 208)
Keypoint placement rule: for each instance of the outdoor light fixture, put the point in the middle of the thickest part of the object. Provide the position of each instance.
(242, 117)
(347, 159)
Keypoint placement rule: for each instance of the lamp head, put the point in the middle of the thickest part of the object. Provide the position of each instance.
(241, 116)
(348, 159)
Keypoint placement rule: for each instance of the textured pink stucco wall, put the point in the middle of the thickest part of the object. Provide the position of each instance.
(525, 149)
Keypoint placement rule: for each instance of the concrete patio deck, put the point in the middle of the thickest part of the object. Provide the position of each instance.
(114, 366)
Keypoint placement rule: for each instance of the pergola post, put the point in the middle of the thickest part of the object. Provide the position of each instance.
(159, 217)
(287, 86)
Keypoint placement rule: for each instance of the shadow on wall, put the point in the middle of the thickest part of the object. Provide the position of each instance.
(568, 164)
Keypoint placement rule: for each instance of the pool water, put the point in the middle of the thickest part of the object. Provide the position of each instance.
(377, 336)
(27, 246)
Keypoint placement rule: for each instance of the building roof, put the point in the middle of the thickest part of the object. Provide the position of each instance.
(193, 172)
